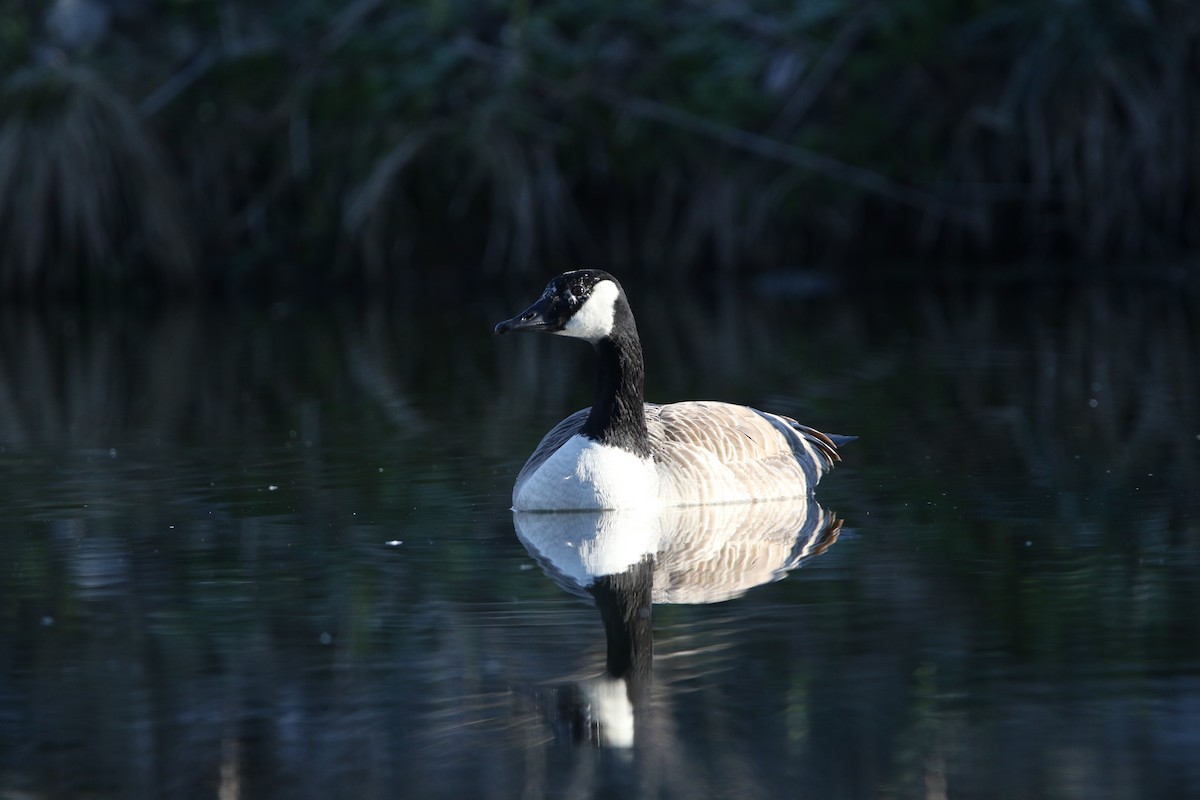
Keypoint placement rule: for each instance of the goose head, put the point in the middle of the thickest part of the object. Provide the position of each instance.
(581, 304)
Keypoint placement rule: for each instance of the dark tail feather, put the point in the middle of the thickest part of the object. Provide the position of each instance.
(826, 444)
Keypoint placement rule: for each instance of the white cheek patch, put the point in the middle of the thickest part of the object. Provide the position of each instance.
(594, 320)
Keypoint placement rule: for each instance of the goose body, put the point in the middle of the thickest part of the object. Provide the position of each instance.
(625, 453)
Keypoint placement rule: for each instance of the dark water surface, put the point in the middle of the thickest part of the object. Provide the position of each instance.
(270, 555)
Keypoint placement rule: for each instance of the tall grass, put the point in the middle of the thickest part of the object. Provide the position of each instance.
(391, 140)
(85, 196)
(1091, 127)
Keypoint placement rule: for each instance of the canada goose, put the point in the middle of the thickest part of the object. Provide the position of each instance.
(626, 453)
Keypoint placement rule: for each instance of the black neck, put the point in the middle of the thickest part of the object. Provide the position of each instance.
(617, 417)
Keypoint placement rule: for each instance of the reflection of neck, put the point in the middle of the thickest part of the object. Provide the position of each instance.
(624, 604)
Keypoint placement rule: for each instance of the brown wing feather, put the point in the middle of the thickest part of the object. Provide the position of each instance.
(736, 433)
(720, 452)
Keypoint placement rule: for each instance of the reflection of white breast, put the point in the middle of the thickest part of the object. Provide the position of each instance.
(584, 474)
(702, 554)
(581, 546)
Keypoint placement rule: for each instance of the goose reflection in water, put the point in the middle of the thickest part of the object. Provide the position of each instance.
(629, 560)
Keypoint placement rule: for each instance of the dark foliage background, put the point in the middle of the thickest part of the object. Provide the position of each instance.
(287, 146)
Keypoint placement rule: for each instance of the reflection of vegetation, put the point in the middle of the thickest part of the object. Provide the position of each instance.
(1069, 389)
(1096, 390)
(733, 134)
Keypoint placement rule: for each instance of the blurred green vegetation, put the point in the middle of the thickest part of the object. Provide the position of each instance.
(287, 145)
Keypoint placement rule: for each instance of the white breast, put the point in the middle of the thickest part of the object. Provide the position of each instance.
(584, 474)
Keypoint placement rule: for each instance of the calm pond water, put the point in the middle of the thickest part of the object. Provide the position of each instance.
(269, 554)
